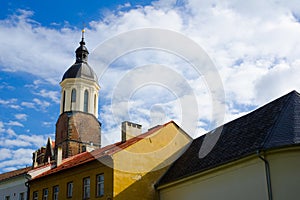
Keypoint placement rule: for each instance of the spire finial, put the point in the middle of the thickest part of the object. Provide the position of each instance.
(81, 51)
(82, 37)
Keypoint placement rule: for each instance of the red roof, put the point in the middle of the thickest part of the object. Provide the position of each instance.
(14, 173)
(98, 153)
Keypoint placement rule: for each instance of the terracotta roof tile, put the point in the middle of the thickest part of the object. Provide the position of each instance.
(99, 153)
(14, 173)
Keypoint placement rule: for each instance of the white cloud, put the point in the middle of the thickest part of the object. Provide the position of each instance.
(10, 103)
(255, 46)
(14, 143)
(19, 158)
(21, 116)
(5, 153)
(16, 107)
(42, 104)
(1, 127)
(14, 123)
(11, 132)
(28, 104)
(53, 95)
(20, 32)
(48, 124)
(36, 104)
(21, 140)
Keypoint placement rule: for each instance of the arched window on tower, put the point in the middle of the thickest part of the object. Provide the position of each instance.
(86, 101)
(73, 95)
(95, 103)
(64, 101)
(73, 99)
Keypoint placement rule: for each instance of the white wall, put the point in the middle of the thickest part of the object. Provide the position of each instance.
(13, 187)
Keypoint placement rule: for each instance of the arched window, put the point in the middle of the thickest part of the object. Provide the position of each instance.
(64, 101)
(86, 101)
(95, 103)
(73, 95)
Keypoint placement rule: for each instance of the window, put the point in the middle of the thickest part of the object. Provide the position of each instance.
(35, 195)
(95, 103)
(22, 196)
(73, 95)
(86, 100)
(69, 189)
(100, 185)
(55, 192)
(45, 194)
(64, 101)
(86, 188)
(7, 197)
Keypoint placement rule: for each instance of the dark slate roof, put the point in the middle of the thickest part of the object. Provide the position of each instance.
(274, 125)
(81, 70)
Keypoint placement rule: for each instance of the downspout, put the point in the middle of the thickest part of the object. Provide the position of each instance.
(28, 186)
(268, 176)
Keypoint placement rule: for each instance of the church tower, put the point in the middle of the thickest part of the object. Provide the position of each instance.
(77, 128)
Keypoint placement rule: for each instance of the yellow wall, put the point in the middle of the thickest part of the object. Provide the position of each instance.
(285, 175)
(244, 179)
(138, 167)
(135, 169)
(76, 175)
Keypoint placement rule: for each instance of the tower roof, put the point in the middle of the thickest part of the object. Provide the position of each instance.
(81, 68)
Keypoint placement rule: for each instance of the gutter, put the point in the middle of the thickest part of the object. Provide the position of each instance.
(268, 175)
(28, 177)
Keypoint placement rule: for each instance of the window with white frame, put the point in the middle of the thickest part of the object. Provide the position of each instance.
(45, 194)
(69, 189)
(86, 101)
(73, 95)
(22, 196)
(35, 195)
(86, 187)
(55, 192)
(100, 185)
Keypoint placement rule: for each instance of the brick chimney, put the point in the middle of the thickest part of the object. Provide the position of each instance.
(130, 130)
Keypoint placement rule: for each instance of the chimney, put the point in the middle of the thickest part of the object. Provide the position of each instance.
(59, 156)
(130, 130)
(34, 159)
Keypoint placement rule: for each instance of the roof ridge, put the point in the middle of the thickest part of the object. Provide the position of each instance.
(253, 111)
(290, 96)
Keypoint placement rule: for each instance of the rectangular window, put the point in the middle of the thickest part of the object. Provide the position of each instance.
(86, 188)
(7, 197)
(100, 185)
(55, 192)
(45, 194)
(35, 195)
(69, 189)
(22, 196)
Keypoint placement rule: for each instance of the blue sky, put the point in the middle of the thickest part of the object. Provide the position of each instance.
(255, 48)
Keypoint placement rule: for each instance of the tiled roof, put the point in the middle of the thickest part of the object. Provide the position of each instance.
(109, 150)
(14, 173)
(274, 125)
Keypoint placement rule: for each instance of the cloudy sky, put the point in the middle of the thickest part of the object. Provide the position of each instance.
(151, 73)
